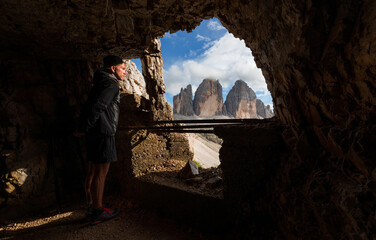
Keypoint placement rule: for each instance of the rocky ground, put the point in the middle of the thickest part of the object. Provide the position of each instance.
(132, 223)
(208, 182)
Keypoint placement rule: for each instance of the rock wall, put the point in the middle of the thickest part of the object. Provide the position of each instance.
(280, 187)
(307, 71)
(250, 159)
(321, 82)
(152, 70)
(41, 162)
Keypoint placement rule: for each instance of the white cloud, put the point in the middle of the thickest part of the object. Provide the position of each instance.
(202, 38)
(192, 53)
(262, 93)
(168, 35)
(228, 59)
(208, 44)
(214, 25)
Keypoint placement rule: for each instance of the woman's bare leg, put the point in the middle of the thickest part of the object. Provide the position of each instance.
(97, 187)
(88, 183)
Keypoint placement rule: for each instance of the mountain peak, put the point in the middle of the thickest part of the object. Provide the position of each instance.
(183, 103)
(208, 99)
(241, 101)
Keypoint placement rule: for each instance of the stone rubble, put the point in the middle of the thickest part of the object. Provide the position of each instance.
(189, 171)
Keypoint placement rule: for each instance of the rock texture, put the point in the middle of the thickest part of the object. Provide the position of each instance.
(208, 99)
(263, 195)
(183, 103)
(268, 112)
(152, 70)
(241, 101)
(262, 110)
(249, 194)
(133, 82)
(38, 149)
(189, 171)
(318, 59)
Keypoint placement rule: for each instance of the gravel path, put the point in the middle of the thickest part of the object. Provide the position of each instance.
(205, 152)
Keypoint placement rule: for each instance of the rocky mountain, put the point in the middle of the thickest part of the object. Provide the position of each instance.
(183, 103)
(268, 112)
(241, 102)
(208, 99)
(262, 110)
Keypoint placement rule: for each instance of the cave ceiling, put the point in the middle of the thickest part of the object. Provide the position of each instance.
(90, 29)
(311, 53)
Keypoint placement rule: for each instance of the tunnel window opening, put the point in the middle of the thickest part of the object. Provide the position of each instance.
(209, 74)
(134, 82)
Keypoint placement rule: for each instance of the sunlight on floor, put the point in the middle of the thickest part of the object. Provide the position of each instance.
(35, 223)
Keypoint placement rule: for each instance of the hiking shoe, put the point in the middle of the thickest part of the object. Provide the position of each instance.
(89, 213)
(105, 214)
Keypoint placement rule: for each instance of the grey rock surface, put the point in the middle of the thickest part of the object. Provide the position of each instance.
(183, 102)
(208, 99)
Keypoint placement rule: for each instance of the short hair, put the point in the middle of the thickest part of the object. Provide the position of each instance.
(112, 60)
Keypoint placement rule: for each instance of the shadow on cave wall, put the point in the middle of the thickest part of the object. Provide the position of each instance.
(41, 160)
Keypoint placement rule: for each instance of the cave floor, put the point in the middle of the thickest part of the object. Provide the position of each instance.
(133, 222)
(199, 184)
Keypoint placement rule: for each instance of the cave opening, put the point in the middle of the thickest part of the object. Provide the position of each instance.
(211, 53)
(313, 173)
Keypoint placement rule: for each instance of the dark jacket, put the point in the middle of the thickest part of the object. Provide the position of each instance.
(101, 111)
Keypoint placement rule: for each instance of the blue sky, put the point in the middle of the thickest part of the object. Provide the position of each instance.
(209, 51)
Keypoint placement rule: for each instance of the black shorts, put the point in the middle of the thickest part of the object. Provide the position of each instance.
(100, 148)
